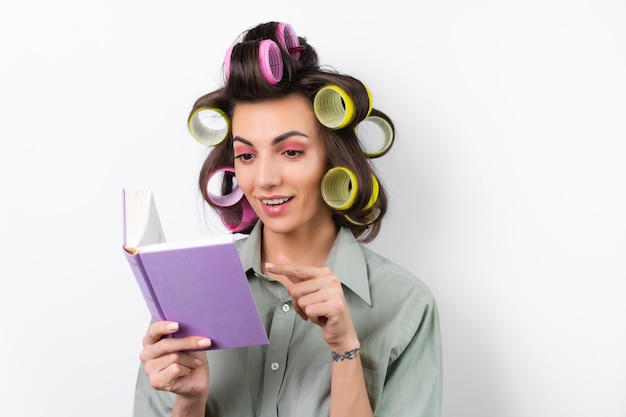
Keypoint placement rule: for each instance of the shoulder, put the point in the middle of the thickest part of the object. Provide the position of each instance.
(402, 307)
(387, 275)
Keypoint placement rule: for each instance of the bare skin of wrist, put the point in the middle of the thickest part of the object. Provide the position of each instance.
(345, 345)
(189, 406)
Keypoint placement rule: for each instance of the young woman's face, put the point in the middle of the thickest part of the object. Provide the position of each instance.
(280, 159)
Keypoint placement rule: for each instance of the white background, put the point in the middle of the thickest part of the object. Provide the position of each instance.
(507, 180)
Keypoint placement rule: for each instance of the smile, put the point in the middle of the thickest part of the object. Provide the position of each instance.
(276, 201)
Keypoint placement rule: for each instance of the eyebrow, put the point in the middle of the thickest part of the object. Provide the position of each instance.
(276, 140)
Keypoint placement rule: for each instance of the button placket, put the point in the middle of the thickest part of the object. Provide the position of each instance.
(281, 332)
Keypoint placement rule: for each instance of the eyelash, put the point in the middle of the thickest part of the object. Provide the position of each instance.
(293, 153)
(246, 158)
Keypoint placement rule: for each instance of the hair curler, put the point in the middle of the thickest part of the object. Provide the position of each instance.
(333, 107)
(367, 219)
(375, 143)
(247, 218)
(371, 100)
(288, 39)
(227, 56)
(208, 125)
(339, 187)
(225, 200)
(375, 191)
(270, 61)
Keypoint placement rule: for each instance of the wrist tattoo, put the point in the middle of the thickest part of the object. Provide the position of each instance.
(351, 354)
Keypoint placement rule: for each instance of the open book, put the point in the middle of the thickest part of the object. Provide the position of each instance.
(199, 283)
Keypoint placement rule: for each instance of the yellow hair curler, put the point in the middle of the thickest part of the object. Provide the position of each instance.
(369, 218)
(376, 136)
(333, 107)
(371, 101)
(375, 191)
(339, 187)
(208, 125)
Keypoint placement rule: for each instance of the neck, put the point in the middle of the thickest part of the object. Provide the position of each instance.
(310, 247)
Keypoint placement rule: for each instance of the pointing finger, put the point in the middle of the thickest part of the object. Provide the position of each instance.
(270, 267)
(296, 273)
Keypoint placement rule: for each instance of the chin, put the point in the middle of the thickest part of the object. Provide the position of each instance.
(277, 226)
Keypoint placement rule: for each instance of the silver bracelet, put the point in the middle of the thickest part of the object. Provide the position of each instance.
(351, 354)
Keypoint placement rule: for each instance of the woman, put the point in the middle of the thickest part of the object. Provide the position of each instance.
(351, 333)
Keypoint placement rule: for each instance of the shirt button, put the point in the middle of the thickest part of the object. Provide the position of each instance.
(275, 366)
(285, 308)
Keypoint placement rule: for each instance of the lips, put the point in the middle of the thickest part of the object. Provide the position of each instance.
(275, 201)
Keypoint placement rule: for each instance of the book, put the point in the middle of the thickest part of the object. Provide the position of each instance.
(198, 283)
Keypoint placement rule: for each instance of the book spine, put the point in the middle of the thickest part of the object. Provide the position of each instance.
(136, 265)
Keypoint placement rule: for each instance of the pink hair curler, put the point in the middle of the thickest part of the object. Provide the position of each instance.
(248, 217)
(225, 200)
(227, 55)
(288, 39)
(270, 61)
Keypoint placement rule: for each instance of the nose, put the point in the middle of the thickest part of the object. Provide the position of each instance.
(267, 174)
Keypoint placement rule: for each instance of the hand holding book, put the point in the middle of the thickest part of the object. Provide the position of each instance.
(199, 283)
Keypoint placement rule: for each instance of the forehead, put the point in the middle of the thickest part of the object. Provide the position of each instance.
(274, 116)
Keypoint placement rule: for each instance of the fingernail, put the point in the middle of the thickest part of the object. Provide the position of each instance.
(269, 265)
(172, 326)
(204, 342)
(198, 362)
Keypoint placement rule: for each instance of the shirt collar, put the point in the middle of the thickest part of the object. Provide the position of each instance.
(345, 259)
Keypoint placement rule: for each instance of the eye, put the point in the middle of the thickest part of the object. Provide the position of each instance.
(244, 157)
(293, 153)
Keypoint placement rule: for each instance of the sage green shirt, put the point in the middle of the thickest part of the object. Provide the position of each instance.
(396, 320)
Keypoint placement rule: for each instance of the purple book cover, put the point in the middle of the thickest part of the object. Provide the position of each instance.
(205, 290)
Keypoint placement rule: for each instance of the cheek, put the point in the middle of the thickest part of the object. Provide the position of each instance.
(316, 175)
(310, 176)
(244, 180)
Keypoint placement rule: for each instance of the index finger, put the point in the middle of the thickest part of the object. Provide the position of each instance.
(296, 273)
(270, 267)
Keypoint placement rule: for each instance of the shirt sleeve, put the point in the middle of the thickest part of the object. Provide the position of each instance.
(150, 402)
(414, 379)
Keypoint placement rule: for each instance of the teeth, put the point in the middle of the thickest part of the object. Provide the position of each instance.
(275, 201)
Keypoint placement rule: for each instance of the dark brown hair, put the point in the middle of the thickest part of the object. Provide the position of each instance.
(302, 76)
